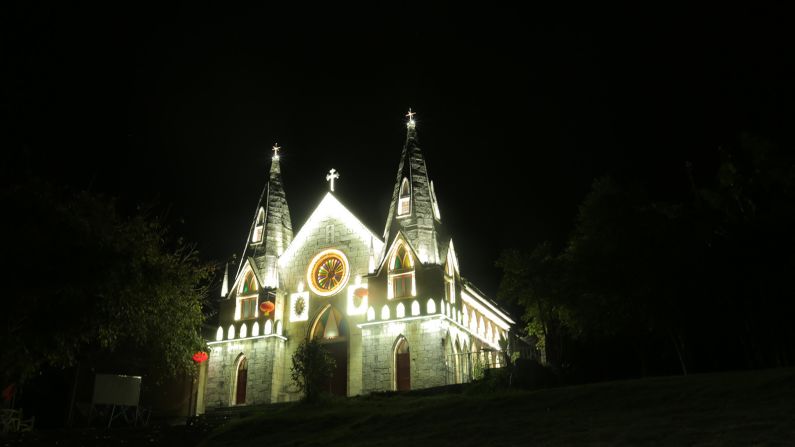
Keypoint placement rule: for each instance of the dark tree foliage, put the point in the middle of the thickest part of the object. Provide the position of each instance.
(697, 284)
(311, 369)
(90, 287)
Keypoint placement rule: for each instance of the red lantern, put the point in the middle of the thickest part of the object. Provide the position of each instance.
(267, 307)
(200, 356)
(361, 292)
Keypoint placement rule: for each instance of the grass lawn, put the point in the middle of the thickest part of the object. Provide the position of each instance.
(739, 408)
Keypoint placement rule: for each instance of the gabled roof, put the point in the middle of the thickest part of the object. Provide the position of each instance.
(399, 237)
(330, 206)
(491, 304)
(250, 261)
(452, 254)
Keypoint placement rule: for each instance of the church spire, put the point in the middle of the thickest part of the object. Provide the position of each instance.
(225, 284)
(272, 229)
(413, 200)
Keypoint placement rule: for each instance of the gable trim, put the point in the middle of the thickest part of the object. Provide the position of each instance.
(329, 207)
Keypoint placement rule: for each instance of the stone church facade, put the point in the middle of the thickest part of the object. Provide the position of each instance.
(392, 309)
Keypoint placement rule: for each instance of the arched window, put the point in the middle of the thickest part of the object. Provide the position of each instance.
(268, 328)
(415, 308)
(449, 280)
(248, 295)
(243, 331)
(259, 227)
(249, 284)
(370, 314)
(219, 334)
(404, 200)
(400, 311)
(385, 312)
(255, 329)
(330, 326)
(402, 260)
(430, 307)
(401, 274)
(230, 334)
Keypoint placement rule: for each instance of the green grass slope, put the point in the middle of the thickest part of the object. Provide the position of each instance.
(741, 408)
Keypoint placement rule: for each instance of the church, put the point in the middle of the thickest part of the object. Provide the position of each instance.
(392, 309)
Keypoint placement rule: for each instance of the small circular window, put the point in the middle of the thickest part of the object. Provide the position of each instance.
(328, 272)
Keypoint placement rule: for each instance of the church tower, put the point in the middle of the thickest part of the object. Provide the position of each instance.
(414, 208)
(271, 231)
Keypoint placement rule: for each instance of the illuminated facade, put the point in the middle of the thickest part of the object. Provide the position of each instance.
(393, 309)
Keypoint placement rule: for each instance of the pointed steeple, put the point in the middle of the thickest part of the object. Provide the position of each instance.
(272, 229)
(225, 284)
(371, 261)
(413, 201)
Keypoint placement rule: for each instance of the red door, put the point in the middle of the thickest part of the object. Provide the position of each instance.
(242, 379)
(338, 383)
(402, 367)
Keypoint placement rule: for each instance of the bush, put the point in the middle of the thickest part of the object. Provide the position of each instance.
(312, 368)
(529, 374)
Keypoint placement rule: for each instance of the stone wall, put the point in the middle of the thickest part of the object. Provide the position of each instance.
(343, 238)
(425, 338)
(265, 358)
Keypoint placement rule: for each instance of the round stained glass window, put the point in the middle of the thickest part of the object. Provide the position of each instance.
(328, 272)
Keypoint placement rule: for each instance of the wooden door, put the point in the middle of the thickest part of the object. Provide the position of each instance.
(402, 367)
(242, 379)
(338, 383)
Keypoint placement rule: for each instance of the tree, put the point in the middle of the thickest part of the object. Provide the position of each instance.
(631, 265)
(533, 281)
(90, 286)
(312, 368)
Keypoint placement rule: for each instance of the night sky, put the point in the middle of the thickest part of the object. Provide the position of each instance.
(518, 110)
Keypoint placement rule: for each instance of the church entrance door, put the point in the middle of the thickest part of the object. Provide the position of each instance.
(402, 366)
(331, 329)
(338, 384)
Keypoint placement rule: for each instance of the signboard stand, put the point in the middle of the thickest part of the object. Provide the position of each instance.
(122, 394)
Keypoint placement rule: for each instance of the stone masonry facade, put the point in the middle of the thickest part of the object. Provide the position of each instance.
(426, 351)
(261, 354)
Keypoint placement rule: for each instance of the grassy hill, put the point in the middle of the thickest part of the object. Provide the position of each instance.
(740, 408)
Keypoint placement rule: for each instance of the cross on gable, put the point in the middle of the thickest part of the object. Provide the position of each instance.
(332, 175)
(276, 150)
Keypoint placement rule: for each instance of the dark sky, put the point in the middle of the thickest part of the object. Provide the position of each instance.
(518, 110)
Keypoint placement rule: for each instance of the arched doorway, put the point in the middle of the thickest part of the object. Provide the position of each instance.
(402, 365)
(241, 380)
(467, 363)
(331, 329)
(457, 354)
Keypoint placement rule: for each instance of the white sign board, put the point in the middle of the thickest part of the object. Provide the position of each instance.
(111, 389)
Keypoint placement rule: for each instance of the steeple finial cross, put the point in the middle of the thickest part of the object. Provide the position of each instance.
(332, 175)
(411, 118)
(276, 150)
